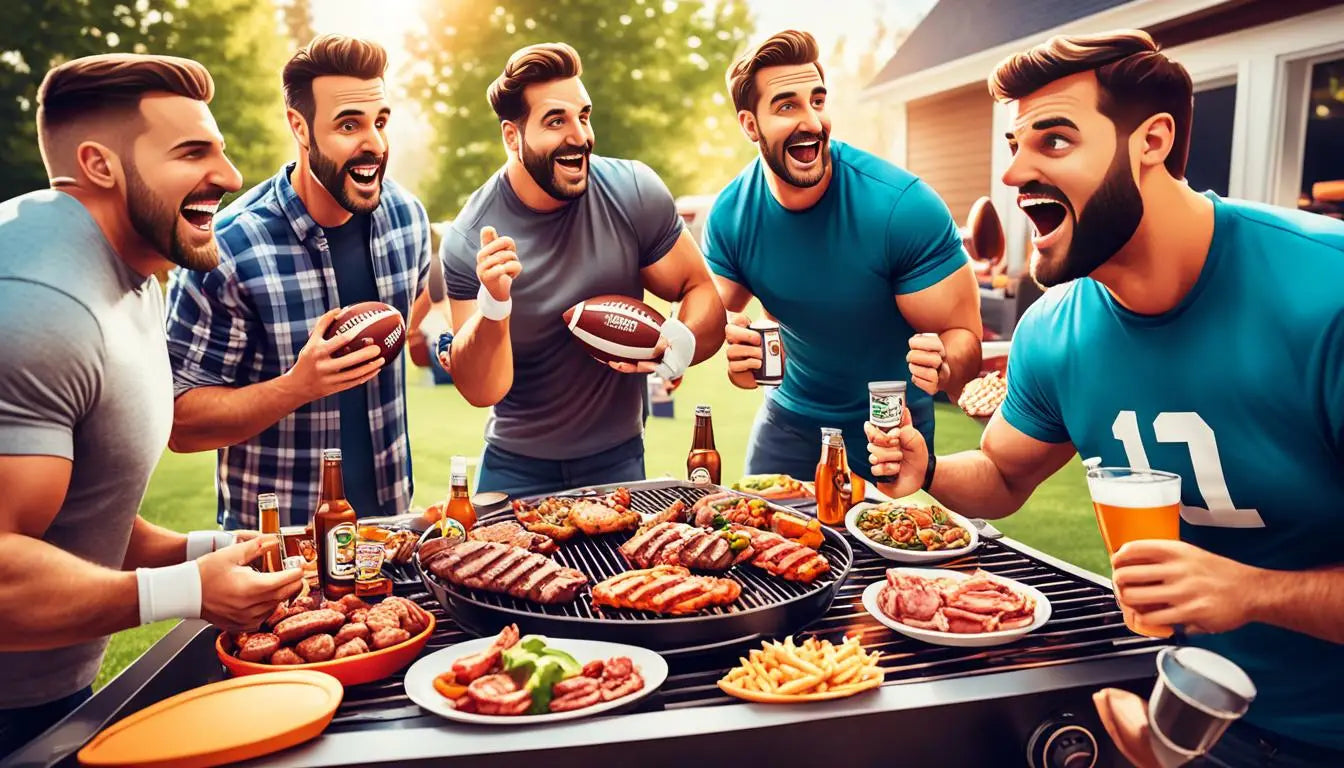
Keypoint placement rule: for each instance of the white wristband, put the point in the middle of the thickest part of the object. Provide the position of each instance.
(204, 542)
(491, 308)
(172, 592)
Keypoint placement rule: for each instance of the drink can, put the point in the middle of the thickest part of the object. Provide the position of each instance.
(886, 403)
(771, 372)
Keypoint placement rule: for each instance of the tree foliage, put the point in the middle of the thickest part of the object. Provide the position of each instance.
(654, 69)
(240, 41)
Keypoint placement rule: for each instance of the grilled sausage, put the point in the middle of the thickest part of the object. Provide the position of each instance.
(385, 638)
(278, 615)
(329, 605)
(317, 648)
(258, 647)
(296, 628)
(382, 618)
(353, 603)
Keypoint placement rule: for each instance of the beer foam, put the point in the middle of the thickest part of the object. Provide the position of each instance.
(1134, 491)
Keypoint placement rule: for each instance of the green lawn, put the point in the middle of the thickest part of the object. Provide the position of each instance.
(1058, 519)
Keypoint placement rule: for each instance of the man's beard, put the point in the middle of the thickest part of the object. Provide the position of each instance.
(334, 178)
(157, 222)
(541, 167)
(1107, 223)
(780, 164)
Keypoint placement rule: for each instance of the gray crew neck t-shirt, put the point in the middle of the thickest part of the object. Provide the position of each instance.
(85, 377)
(564, 404)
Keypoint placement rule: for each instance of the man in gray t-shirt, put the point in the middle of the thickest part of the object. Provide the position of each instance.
(555, 226)
(86, 398)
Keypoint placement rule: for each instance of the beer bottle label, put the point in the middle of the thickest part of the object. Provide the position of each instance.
(341, 552)
(700, 476)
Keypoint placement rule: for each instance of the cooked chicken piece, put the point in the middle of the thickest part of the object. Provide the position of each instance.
(784, 557)
(597, 519)
(469, 668)
(666, 589)
(682, 544)
(510, 532)
(549, 517)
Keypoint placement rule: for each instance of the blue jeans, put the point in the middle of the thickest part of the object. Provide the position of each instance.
(783, 442)
(20, 726)
(1245, 746)
(521, 476)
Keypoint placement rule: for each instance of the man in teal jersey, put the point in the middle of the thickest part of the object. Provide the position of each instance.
(1185, 333)
(854, 257)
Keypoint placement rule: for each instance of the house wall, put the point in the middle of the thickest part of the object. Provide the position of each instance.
(1268, 63)
(946, 147)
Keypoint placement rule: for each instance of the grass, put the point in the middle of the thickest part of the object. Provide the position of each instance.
(1058, 519)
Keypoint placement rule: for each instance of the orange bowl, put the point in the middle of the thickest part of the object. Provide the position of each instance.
(352, 670)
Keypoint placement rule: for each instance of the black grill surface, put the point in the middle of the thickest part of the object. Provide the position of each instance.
(1085, 624)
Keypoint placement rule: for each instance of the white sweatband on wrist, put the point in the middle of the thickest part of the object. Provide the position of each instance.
(172, 592)
(204, 542)
(490, 307)
(680, 350)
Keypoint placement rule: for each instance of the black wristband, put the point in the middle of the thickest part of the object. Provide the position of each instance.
(928, 473)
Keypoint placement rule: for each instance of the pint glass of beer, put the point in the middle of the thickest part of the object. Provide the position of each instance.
(1133, 504)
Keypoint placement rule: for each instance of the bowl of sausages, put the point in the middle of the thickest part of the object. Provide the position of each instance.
(351, 640)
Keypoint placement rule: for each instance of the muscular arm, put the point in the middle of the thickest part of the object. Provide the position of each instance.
(997, 479)
(206, 418)
(482, 355)
(49, 597)
(951, 309)
(681, 275)
(1310, 602)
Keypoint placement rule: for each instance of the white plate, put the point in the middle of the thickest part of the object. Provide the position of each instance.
(957, 639)
(420, 679)
(906, 555)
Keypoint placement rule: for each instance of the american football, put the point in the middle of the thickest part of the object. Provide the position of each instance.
(614, 328)
(373, 322)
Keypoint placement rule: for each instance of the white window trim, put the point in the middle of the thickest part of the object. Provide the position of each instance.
(1296, 98)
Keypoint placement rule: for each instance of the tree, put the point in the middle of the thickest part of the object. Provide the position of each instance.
(238, 40)
(298, 18)
(654, 70)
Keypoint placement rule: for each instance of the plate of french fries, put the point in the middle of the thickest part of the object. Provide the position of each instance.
(782, 673)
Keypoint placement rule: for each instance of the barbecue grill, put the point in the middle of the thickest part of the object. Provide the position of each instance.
(938, 706)
(767, 605)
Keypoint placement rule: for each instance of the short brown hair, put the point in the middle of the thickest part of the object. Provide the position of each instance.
(534, 64)
(329, 55)
(1136, 80)
(99, 91)
(788, 48)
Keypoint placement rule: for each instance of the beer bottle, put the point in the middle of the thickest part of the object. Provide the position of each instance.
(703, 463)
(460, 507)
(268, 514)
(334, 531)
(832, 479)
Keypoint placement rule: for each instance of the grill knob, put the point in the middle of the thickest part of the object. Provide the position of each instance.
(1062, 742)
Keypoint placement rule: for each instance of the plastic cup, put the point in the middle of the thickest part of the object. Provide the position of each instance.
(1132, 505)
(1198, 694)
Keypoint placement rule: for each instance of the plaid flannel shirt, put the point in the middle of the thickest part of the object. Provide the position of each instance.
(245, 322)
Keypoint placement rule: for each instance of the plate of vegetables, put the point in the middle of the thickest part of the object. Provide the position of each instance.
(526, 680)
(911, 533)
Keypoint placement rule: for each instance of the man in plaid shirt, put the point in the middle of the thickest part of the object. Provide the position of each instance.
(253, 376)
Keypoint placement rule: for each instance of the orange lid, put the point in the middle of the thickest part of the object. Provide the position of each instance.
(220, 723)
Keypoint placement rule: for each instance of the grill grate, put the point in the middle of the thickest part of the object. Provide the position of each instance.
(600, 559)
(1085, 624)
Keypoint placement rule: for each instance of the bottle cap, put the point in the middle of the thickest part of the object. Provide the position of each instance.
(331, 454)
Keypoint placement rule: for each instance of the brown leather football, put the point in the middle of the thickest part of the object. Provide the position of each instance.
(373, 323)
(987, 241)
(614, 328)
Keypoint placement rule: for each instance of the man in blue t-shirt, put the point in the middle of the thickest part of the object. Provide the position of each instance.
(1185, 333)
(859, 261)
(557, 225)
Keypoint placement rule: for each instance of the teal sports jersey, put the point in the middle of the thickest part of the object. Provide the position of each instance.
(1239, 390)
(830, 275)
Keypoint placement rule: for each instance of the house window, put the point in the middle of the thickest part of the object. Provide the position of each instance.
(1322, 188)
(1210, 160)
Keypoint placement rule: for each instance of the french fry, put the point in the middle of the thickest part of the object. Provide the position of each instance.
(801, 685)
(791, 671)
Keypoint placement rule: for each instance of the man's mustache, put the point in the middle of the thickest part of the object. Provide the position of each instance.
(565, 149)
(1034, 187)
(802, 137)
(207, 194)
(365, 159)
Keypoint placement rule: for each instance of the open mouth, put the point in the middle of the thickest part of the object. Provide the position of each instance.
(364, 175)
(1046, 213)
(199, 213)
(805, 151)
(573, 161)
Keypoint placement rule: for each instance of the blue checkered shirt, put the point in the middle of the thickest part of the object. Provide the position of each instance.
(245, 322)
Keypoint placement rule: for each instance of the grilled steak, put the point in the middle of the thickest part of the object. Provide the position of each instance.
(679, 544)
(666, 589)
(784, 557)
(509, 532)
(514, 571)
